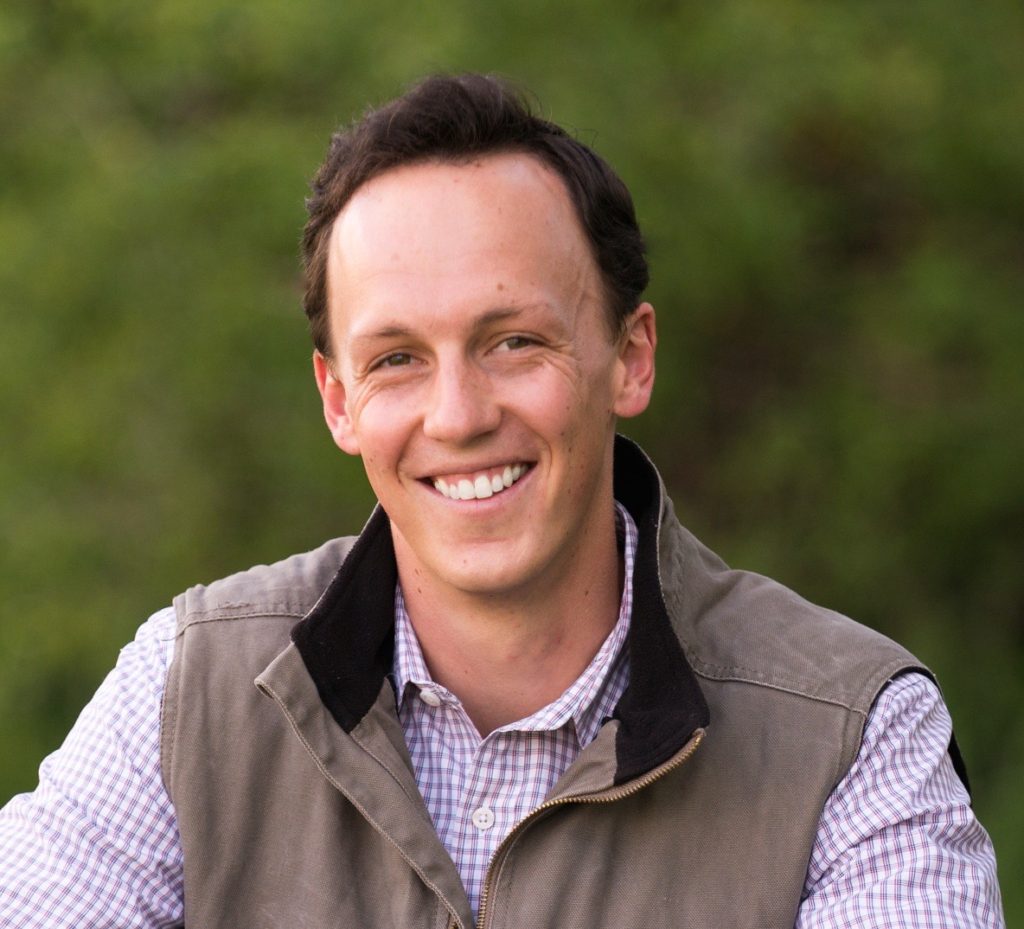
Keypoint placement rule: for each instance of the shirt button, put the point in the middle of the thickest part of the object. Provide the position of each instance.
(430, 698)
(483, 818)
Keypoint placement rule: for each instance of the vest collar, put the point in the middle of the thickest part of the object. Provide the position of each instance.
(347, 640)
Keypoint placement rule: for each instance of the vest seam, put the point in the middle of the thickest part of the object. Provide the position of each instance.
(228, 606)
(414, 798)
(212, 616)
(871, 688)
(792, 690)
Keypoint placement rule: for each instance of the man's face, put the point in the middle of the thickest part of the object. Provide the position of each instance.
(475, 373)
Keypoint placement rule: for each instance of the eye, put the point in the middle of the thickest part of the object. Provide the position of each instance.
(394, 360)
(514, 343)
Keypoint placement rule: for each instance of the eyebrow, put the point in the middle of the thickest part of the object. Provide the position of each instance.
(489, 318)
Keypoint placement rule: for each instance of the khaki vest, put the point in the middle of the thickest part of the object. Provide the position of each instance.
(696, 805)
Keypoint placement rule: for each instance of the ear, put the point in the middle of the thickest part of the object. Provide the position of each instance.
(332, 393)
(636, 361)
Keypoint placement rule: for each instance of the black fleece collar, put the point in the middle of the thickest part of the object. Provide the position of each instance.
(347, 639)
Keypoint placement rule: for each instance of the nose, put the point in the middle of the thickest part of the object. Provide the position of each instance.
(461, 406)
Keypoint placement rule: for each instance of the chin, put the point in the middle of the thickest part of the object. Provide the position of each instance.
(487, 577)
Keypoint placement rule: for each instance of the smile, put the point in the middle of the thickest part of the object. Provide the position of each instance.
(480, 486)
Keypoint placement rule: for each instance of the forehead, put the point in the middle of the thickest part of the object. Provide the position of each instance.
(504, 189)
(437, 235)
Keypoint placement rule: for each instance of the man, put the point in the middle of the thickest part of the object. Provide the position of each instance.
(524, 695)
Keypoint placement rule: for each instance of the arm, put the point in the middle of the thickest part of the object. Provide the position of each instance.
(96, 844)
(898, 844)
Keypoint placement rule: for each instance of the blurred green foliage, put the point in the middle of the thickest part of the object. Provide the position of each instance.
(834, 200)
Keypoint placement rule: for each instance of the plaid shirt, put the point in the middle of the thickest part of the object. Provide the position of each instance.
(96, 844)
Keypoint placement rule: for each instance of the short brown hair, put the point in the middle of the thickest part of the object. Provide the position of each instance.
(455, 118)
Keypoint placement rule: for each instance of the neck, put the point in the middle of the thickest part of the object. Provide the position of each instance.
(507, 655)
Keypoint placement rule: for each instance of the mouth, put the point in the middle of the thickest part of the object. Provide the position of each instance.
(479, 485)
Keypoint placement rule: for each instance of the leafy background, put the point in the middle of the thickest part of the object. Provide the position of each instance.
(834, 200)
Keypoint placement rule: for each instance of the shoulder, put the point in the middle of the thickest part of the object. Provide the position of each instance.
(227, 632)
(287, 589)
(741, 626)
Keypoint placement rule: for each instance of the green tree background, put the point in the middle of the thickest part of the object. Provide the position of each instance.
(834, 200)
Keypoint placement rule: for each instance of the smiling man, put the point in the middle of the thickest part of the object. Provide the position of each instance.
(471, 360)
(524, 695)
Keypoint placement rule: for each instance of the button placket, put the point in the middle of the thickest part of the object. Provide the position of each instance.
(481, 815)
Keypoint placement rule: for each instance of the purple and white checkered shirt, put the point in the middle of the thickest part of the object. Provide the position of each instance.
(476, 790)
(96, 844)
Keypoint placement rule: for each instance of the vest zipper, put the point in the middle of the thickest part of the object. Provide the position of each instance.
(606, 796)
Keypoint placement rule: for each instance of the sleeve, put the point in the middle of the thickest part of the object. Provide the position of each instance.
(96, 844)
(898, 846)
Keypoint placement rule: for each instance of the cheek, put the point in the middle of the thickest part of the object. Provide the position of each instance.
(383, 429)
(549, 412)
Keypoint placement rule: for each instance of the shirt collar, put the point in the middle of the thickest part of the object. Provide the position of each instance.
(587, 701)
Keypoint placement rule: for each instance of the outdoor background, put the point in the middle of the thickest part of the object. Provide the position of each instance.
(833, 195)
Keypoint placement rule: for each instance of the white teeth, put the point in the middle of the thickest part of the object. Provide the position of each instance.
(482, 486)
